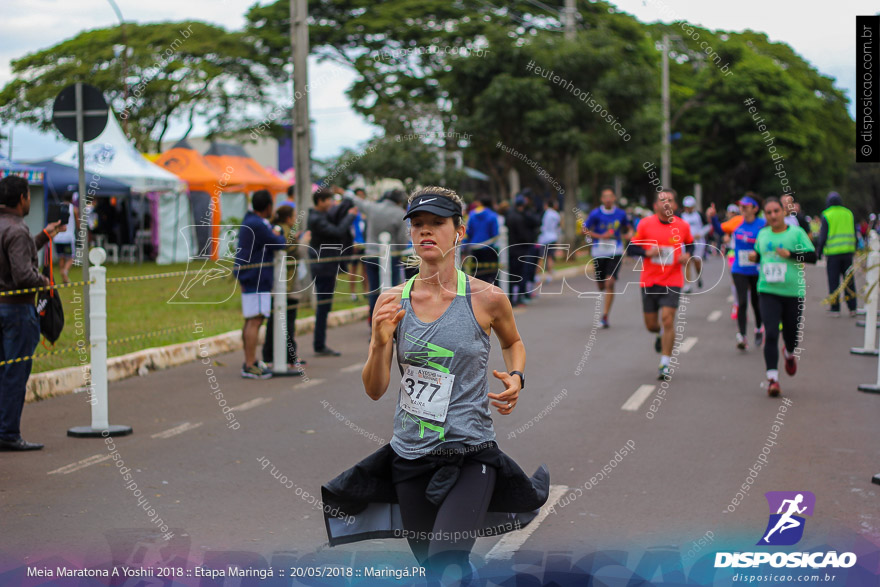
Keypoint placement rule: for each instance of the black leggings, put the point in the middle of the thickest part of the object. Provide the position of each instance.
(778, 309)
(746, 284)
(463, 511)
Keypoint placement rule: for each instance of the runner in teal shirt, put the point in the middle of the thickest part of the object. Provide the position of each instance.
(781, 252)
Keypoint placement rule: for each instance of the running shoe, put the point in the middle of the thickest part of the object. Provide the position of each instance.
(734, 310)
(605, 323)
(700, 282)
(834, 313)
(773, 388)
(741, 343)
(254, 372)
(759, 336)
(686, 289)
(852, 313)
(658, 344)
(790, 363)
(663, 372)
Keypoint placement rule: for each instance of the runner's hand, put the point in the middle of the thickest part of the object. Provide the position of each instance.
(784, 253)
(608, 233)
(685, 257)
(753, 256)
(652, 251)
(710, 211)
(509, 395)
(385, 320)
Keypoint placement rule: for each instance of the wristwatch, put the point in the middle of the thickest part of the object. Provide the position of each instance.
(522, 378)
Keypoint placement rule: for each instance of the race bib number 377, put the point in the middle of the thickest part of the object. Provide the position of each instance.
(426, 392)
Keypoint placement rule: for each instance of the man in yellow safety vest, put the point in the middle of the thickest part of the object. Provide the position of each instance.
(837, 241)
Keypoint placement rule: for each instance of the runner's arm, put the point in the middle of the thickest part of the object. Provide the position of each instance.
(512, 349)
(804, 256)
(377, 371)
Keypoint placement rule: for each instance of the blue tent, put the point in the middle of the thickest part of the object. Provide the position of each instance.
(61, 179)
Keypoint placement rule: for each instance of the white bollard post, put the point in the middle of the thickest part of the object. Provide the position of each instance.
(871, 285)
(385, 261)
(279, 314)
(503, 261)
(98, 342)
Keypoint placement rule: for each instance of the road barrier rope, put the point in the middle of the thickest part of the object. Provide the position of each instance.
(40, 355)
(859, 264)
(15, 292)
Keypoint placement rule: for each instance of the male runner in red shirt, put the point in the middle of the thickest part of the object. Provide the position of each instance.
(662, 240)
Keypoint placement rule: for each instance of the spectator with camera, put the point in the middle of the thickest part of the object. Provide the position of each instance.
(19, 323)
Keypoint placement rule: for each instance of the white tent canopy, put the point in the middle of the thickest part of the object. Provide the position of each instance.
(113, 155)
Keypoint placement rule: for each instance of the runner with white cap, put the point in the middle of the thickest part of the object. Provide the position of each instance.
(699, 229)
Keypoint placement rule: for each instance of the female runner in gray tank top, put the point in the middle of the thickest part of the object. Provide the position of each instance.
(446, 469)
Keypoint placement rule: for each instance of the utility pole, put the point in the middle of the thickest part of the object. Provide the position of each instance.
(299, 39)
(571, 159)
(665, 156)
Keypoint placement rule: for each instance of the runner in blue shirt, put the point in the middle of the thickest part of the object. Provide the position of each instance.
(745, 230)
(606, 227)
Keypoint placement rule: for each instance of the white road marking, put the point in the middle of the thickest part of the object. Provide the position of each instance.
(715, 316)
(512, 542)
(355, 367)
(309, 383)
(729, 299)
(636, 400)
(688, 343)
(258, 401)
(176, 430)
(92, 460)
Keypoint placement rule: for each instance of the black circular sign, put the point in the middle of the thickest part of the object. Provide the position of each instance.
(94, 112)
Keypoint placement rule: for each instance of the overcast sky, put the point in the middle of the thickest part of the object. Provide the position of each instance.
(823, 34)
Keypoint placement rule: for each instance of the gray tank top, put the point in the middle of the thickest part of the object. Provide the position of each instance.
(454, 344)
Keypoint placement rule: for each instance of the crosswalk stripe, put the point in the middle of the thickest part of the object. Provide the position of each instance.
(512, 542)
(688, 343)
(636, 400)
(257, 401)
(715, 316)
(92, 460)
(176, 430)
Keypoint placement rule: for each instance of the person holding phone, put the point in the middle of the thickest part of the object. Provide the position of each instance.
(19, 323)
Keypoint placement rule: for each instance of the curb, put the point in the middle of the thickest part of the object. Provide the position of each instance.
(73, 379)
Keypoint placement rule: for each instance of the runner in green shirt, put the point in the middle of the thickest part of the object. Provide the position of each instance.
(781, 250)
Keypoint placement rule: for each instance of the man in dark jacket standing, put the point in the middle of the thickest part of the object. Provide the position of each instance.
(257, 243)
(521, 231)
(19, 325)
(327, 240)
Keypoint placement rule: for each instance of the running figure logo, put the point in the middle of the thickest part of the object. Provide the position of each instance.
(786, 526)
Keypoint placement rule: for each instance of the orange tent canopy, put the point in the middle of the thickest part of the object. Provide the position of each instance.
(243, 170)
(190, 166)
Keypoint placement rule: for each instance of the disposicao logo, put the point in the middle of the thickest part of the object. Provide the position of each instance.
(786, 528)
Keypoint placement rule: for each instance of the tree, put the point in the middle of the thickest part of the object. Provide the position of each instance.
(169, 71)
(799, 135)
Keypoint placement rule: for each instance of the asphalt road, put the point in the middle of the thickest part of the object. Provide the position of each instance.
(205, 479)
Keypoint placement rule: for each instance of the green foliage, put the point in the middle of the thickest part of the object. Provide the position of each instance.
(806, 123)
(182, 70)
